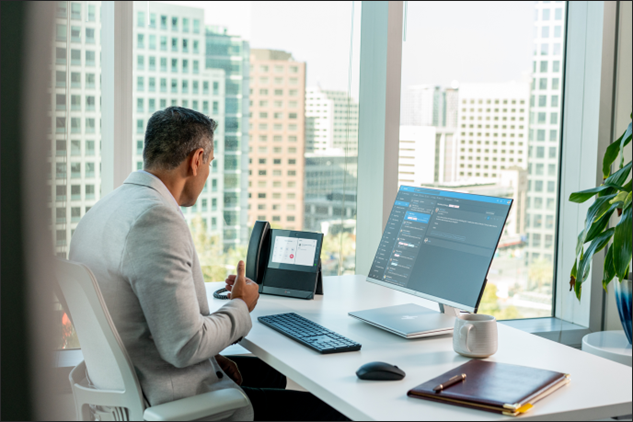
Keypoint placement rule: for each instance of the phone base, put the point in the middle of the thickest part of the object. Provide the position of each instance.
(319, 286)
(299, 294)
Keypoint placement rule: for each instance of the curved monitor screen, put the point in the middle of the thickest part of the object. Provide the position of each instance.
(439, 244)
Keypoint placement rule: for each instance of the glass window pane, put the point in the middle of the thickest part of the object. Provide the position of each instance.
(74, 118)
(210, 69)
(492, 134)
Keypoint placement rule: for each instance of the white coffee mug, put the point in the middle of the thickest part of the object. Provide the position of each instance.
(475, 336)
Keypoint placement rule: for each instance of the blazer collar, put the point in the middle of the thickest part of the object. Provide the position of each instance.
(142, 178)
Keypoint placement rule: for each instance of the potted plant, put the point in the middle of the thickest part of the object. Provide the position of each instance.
(613, 195)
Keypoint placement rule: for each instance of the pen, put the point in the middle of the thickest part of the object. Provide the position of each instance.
(454, 380)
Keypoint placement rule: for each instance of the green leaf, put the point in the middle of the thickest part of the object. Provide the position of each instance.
(585, 262)
(609, 269)
(600, 224)
(596, 210)
(580, 242)
(622, 242)
(620, 197)
(582, 196)
(626, 138)
(619, 177)
(627, 201)
(610, 155)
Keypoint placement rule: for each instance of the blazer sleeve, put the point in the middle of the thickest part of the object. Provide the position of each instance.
(157, 260)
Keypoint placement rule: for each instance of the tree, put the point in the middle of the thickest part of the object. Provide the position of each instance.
(540, 274)
(216, 262)
(490, 305)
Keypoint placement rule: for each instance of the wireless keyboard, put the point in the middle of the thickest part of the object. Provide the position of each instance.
(308, 333)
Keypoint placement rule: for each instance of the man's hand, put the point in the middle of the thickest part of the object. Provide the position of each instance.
(242, 287)
(230, 368)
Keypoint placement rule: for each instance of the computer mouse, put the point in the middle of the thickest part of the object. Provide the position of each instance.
(380, 371)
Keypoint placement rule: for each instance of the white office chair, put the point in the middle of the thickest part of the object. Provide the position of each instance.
(112, 391)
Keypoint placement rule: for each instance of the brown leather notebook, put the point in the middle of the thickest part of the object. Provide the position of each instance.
(495, 387)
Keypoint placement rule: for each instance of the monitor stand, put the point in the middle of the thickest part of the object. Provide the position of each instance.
(410, 320)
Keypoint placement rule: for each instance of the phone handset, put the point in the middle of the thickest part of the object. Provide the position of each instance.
(258, 252)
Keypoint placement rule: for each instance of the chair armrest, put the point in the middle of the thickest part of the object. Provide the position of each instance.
(198, 407)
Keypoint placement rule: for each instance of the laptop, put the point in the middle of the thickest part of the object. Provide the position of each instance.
(408, 321)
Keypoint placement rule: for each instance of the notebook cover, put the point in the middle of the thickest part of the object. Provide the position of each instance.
(493, 386)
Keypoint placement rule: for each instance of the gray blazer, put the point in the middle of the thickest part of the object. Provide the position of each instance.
(137, 243)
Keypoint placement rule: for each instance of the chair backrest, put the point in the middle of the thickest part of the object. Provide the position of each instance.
(108, 364)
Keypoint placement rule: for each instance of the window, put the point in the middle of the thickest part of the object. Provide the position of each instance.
(498, 127)
(140, 41)
(163, 43)
(75, 102)
(75, 11)
(90, 81)
(75, 57)
(75, 34)
(90, 36)
(60, 79)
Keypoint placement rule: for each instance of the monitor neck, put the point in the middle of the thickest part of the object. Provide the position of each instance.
(449, 310)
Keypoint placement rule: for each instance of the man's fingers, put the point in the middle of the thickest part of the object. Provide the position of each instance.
(231, 278)
(241, 270)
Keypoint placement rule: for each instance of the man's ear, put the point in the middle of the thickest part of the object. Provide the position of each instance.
(197, 159)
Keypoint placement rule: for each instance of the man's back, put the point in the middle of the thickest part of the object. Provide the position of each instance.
(138, 245)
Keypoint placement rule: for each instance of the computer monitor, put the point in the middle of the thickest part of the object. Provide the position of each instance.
(439, 245)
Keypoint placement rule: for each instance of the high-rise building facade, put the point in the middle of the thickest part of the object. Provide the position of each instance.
(419, 158)
(232, 54)
(331, 121)
(330, 191)
(277, 134)
(75, 113)
(492, 129)
(544, 129)
(429, 105)
(169, 70)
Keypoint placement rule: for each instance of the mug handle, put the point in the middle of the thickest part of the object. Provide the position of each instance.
(463, 337)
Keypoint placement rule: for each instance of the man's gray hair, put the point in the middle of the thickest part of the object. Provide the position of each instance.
(174, 133)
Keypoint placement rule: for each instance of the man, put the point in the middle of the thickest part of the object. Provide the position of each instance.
(137, 243)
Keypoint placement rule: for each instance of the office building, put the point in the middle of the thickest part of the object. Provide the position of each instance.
(430, 105)
(75, 115)
(169, 70)
(331, 121)
(426, 155)
(277, 133)
(544, 129)
(492, 129)
(330, 192)
(232, 54)
(420, 159)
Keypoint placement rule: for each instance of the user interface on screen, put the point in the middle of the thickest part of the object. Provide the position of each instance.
(294, 250)
(440, 243)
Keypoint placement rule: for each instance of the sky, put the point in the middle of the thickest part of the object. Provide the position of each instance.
(468, 42)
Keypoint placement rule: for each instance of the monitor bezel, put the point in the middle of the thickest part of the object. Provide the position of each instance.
(427, 296)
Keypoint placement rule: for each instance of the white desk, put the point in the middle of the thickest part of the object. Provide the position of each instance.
(599, 388)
